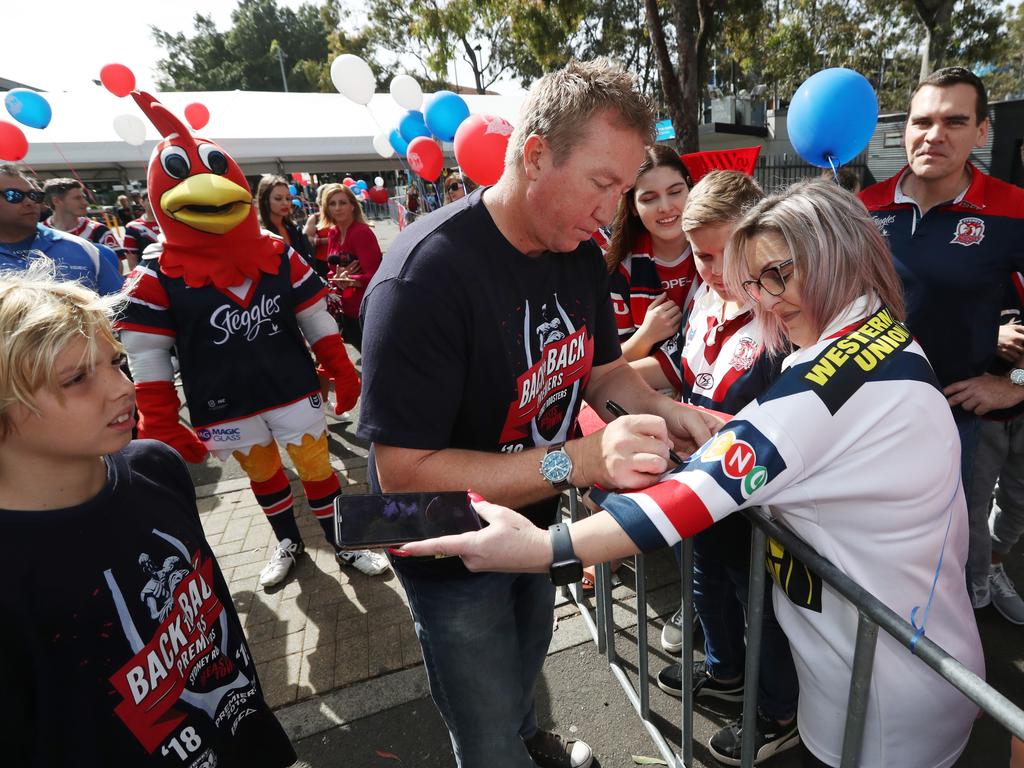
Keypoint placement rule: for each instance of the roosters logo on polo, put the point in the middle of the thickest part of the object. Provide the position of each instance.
(969, 231)
(229, 320)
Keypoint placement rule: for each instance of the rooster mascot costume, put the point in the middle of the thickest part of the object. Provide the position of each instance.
(239, 306)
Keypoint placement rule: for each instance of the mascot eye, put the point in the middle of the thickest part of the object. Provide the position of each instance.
(175, 162)
(213, 159)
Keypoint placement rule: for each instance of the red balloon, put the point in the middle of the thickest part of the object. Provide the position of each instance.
(480, 144)
(197, 115)
(348, 181)
(377, 195)
(117, 79)
(425, 158)
(13, 144)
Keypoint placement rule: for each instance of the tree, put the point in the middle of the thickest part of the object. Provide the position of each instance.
(245, 56)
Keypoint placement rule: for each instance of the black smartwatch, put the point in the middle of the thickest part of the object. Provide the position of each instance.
(566, 568)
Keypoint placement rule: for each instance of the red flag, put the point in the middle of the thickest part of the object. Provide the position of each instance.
(699, 163)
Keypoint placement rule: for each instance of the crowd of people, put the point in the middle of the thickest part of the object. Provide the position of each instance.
(855, 361)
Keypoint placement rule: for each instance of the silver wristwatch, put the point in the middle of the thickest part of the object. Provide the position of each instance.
(1017, 376)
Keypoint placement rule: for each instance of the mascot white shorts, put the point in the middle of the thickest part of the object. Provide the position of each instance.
(287, 425)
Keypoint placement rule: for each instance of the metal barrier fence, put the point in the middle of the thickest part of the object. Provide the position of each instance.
(872, 615)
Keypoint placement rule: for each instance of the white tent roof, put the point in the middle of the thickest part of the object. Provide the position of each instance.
(264, 132)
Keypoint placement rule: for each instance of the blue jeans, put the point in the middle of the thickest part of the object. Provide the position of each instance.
(484, 640)
(721, 557)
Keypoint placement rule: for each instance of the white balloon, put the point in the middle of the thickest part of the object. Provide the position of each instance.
(406, 92)
(378, 181)
(382, 144)
(131, 129)
(353, 78)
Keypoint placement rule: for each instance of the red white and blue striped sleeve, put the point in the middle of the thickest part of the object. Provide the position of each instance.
(738, 467)
(147, 306)
(307, 287)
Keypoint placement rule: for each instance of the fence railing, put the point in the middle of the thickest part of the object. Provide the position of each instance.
(775, 172)
(872, 616)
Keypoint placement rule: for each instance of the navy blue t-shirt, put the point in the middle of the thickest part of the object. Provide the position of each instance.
(469, 343)
(121, 645)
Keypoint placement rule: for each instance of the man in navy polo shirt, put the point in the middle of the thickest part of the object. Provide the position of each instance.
(957, 236)
(22, 239)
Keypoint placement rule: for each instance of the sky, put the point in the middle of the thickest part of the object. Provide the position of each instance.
(59, 45)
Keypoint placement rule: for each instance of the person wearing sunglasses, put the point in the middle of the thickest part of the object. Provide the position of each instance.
(454, 188)
(23, 239)
(855, 450)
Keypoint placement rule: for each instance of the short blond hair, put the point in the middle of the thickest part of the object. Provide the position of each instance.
(560, 105)
(39, 317)
(719, 198)
(837, 251)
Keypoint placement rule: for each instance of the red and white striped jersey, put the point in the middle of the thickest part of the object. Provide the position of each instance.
(139, 234)
(91, 230)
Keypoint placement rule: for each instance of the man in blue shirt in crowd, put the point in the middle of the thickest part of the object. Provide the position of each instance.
(23, 239)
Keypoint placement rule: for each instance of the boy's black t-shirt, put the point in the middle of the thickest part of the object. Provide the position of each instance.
(121, 644)
(469, 343)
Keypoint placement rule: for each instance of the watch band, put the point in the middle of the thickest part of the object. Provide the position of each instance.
(563, 485)
(566, 568)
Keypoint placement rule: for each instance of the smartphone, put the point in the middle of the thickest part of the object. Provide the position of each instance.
(378, 521)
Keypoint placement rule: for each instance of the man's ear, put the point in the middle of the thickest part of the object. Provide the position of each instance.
(982, 139)
(535, 155)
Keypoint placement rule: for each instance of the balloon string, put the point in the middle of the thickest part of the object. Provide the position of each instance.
(835, 168)
(75, 173)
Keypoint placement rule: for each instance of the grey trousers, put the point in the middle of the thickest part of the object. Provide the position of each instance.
(998, 526)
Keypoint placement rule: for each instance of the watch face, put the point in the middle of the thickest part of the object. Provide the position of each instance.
(556, 467)
(1017, 376)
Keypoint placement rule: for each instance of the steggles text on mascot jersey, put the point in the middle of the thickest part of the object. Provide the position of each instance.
(238, 306)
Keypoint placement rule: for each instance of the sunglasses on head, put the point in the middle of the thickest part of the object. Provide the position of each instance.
(453, 186)
(17, 195)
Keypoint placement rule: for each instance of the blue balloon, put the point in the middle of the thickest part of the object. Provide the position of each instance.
(28, 107)
(297, 202)
(362, 184)
(832, 116)
(400, 145)
(445, 113)
(292, 189)
(412, 125)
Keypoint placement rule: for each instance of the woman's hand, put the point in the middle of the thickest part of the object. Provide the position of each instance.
(342, 278)
(509, 543)
(662, 320)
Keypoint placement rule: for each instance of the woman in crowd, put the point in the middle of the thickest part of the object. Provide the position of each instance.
(274, 203)
(125, 212)
(454, 188)
(856, 451)
(317, 228)
(652, 272)
(352, 240)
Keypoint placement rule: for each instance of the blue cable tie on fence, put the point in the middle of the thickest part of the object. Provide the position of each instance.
(919, 633)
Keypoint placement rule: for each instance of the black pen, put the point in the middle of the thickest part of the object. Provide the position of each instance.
(617, 410)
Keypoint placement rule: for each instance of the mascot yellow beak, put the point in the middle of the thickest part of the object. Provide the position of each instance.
(207, 202)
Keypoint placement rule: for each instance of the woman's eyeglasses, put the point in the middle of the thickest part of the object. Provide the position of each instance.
(15, 196)
(770, 280)
(453, 186)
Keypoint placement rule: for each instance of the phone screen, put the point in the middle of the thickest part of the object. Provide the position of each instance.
(368, 521)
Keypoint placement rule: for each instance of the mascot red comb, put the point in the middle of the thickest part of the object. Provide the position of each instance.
(239, 306)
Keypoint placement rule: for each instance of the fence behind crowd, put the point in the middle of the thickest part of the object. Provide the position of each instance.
(872, 615)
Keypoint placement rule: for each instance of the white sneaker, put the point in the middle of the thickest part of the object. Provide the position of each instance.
(365, 561)
(1004, 596)
(280, 562)
(980, 594)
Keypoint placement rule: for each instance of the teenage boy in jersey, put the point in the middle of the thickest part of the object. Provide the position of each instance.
(140, 233)
(121, 645)
(957, 236)
(487, 324)
(67, 199)
(23, 240)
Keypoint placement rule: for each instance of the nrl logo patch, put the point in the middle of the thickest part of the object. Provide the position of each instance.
(969, 231)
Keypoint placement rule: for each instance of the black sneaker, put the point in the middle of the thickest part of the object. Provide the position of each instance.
(771, 739)
(670, 680)
(549, 750)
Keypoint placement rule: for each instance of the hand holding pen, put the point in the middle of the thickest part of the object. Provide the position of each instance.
(617, 410)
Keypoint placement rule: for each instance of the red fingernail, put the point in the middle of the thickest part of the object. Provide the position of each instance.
(397, 552)
(474, 496)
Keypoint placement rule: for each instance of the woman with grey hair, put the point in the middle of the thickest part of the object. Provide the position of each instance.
(856, 452)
